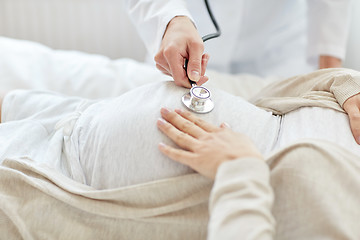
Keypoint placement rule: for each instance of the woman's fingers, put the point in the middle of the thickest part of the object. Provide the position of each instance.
(181, 123)
(354, 117)
(178, 155)
(352, 108)
(205, 153)
(180, 138)
(208, 127)
(225, 125)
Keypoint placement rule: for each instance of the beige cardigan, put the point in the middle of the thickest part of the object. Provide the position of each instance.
(38, 203)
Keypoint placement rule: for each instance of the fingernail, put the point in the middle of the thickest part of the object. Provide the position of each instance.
(195, 76)
(226, 125)
(358, 140)
(162, 145)
(161, 121)
(178, 110)
(165, 111)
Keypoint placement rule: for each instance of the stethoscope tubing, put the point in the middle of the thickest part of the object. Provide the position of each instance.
(201, 104)
(206, 37)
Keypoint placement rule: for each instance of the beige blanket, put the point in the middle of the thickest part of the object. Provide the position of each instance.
(38, 203)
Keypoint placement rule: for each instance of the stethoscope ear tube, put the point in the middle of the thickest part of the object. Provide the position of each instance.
(216, 25)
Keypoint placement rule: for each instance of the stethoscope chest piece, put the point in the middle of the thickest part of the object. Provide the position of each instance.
(198, 100)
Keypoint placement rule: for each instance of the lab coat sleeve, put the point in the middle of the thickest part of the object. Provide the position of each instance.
(241, 201)
(328, 27)
(151, 18)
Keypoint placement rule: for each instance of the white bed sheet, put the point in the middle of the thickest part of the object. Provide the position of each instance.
(29, 65)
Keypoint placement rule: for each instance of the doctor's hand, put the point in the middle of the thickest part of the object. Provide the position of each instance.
(352, 108)
(204, 146)
(329, 62)
(182, 41)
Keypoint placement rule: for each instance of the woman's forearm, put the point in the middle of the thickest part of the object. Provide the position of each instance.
(324, 88)
(241, 201)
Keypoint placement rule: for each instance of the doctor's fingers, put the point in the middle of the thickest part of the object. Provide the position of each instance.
(163, 70)
(204, 62)
(182, 124)
(196, 50)
(161, 62)
(163, 66)
(175, 61)
(202, 80)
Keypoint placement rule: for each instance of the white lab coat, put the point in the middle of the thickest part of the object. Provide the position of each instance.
(262, 37)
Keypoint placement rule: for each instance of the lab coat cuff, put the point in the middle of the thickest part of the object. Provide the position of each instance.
(327, 50)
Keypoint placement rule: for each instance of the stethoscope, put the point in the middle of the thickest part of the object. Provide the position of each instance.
(199, 98)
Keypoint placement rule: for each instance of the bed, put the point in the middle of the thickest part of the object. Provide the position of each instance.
(38, 202)
(33, 194)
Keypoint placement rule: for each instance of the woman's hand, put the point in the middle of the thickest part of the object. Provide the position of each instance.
(204, 146)
(352, 107)
(182, 41)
